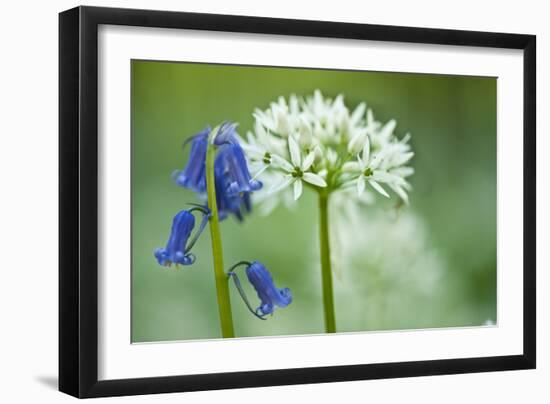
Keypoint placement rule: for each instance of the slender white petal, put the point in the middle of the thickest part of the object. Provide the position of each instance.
(297, 189)
(314, 179)
(387, 129)
(282, 163)
(370, 119)
(358, 113)
(260, 171)
(403, 171)
(308, 161)
(294, 149)
(384, 176)
(360, 184)
(294, 105)
(362, 163)
(351, 167)
(357, 142)
(379, 188)
(401, 192)
(406, 138)
(306, 133)
(366, 150)
(402, 158)
(332, 156)
(282, 183)
(282, 122)
(377, 160)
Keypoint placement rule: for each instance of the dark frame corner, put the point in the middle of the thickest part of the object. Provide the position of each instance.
(78, 179)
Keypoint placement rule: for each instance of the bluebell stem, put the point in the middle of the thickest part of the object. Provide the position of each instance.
(179, 243)
(193, 176)
(262, 281)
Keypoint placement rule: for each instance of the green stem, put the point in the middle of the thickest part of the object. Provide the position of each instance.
(326, 270)
(222, 281)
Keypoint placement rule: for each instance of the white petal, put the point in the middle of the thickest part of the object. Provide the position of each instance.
(370, 118)
(332, 156)
(314, 179)
(283, 126)
(376, 160)
(358, 113)
(384, 176)
(308, 161)
(294, 149)
(403, 171)
(351, 167)
(379, 188)
(387, 129)
(360, 184)
(297, 189)
(366, 150)
(357, 142)
(400, 192)
(260, 171)
(306, 133)
(406, 138)
(293, 103)
(402, 158)
(281, 162)
(282, 183)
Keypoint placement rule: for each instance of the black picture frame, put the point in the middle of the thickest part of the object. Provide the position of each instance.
(78, 201)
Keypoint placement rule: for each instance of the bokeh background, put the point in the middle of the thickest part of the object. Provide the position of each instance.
(431, 264)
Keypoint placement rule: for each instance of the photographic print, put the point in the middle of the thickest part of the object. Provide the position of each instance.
(274, 201)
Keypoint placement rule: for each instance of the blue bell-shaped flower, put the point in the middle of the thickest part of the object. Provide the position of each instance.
(179, 244)
(193, 176)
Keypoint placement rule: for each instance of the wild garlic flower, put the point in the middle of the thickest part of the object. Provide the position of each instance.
(389, 269)
(319, 142)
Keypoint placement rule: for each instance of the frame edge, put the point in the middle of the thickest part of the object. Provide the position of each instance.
(69, 82)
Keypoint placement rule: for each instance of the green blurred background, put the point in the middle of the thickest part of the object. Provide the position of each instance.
(431, 264)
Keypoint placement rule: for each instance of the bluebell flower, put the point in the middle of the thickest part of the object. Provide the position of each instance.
(193, 176)
(227, 203)
(262, 281)
(179, 244)
(227, 133)
(270, 296)
(232, 178)
(231, 163)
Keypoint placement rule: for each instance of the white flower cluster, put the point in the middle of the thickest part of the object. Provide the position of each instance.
(388, 270)
(318, 142)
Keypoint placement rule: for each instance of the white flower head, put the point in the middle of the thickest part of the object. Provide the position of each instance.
(296, 170)
(320, 142)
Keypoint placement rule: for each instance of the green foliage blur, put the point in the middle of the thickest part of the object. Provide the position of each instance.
(452, 120)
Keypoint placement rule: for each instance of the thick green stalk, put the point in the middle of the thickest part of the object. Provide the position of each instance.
(222, 280)
(326, 270)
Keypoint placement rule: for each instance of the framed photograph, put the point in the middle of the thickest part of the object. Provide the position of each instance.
(251, 201)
